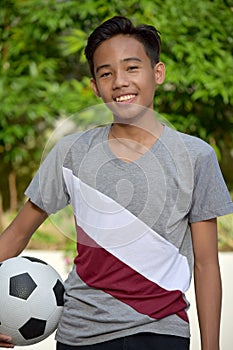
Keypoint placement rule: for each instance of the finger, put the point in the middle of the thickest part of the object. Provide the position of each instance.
(6, 341)
(6, 345)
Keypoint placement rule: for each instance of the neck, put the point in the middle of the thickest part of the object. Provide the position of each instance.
(144, 133)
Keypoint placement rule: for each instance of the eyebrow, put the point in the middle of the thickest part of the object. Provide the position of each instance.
(132, 59)
(124, 60)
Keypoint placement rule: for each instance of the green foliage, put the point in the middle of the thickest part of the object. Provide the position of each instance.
(225, 226)
(44, 76)
(198, 55)
(35, 88)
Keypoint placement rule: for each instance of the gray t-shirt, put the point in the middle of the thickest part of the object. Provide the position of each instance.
(135, 256)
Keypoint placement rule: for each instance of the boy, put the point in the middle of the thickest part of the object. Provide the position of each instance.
(145, 200)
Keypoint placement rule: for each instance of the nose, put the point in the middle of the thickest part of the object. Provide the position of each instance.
(120, 80)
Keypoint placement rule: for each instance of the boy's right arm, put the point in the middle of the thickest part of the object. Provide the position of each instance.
(14, 239)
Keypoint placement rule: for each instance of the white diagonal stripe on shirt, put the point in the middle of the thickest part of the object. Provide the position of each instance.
(126, 237)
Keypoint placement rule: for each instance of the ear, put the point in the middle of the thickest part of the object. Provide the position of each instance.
(159, 70)
(94, 87)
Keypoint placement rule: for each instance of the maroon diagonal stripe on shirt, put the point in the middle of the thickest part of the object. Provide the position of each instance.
(100, 269)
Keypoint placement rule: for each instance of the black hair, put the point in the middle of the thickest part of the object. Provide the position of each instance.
(146, 34)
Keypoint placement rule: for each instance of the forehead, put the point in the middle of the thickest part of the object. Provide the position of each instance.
(119, 48)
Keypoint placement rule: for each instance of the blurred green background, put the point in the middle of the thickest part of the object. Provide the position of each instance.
(44, 80)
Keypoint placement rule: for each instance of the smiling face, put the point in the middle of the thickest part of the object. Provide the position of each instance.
(124, 76)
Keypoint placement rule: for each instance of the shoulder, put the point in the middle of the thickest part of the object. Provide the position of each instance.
(196, 147)
(79, 139)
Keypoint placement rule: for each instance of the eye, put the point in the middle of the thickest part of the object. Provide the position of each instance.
(105, 75)
(132, 68)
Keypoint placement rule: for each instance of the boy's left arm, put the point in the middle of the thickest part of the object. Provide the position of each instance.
(207, 281)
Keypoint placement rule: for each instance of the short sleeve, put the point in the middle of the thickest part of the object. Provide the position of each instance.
(210, 195)
(47, 189)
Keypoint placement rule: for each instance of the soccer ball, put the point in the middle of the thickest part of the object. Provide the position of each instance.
(31, 299)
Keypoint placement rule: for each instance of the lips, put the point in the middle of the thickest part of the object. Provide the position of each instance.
(125, 98)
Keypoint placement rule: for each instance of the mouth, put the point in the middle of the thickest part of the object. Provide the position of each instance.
(129, 98)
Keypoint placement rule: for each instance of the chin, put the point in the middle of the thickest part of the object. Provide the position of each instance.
(126, 112)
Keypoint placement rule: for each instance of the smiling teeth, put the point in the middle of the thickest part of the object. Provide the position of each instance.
(124, 98)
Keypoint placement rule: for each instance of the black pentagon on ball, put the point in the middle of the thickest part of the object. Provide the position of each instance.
(59, 293)
(33, 328)
(22, 286)
(32, 259)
